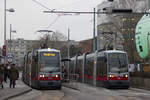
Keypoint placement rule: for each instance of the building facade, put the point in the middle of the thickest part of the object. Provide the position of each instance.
(121, 25)
(86, 45)
(105, 26)
(18, 48)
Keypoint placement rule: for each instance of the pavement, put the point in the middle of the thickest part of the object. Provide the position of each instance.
(79, 86)
(88, 92)
(7, 93)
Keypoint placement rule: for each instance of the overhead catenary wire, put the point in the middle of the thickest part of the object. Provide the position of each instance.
(42, 5)
(90, 12)
(83, 12)
(59, 15)
(55, 20)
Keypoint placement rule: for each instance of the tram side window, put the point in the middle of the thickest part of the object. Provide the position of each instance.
(90, 64)
(101, 66)
(86, 69)
(34, 68)
(104, 68)
(79, 66)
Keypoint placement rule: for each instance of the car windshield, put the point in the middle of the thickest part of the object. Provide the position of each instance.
(117, 62)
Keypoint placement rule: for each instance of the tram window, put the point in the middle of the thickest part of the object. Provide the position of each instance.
(101, 66)
(104, 68)
(79, 66)
(90, 63)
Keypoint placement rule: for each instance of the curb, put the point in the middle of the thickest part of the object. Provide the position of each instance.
(17, 94)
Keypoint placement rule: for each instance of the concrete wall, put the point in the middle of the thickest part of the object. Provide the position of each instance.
(140, 82)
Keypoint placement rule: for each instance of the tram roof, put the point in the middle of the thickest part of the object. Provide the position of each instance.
(48, 49)
(114, 51)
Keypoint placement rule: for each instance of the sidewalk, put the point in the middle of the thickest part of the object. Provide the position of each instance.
(7, 93)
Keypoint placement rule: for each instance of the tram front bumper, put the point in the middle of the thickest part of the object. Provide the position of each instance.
(119, 83)
(49, 84)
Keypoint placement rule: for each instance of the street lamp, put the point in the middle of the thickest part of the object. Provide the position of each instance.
(9, 10)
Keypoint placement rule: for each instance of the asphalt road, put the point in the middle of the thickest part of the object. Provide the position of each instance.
(86, 93)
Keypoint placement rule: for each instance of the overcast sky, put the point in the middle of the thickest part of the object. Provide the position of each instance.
(29, 17)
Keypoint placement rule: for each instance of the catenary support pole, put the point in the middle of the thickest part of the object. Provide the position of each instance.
(10, 38)
(5, 30)
(94, 39)
(68, 51)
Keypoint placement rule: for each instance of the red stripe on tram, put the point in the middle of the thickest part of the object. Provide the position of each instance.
(118, 78)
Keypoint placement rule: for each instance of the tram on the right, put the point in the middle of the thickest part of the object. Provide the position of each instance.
(108, 68)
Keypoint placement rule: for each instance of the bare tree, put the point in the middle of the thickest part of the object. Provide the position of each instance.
(55, 40)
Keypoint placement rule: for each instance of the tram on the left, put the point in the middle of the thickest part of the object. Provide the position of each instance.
(42, 69)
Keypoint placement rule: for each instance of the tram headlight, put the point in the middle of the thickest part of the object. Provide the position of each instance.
(57, 75)
(111, 75)
(42, 75)
(126, 75)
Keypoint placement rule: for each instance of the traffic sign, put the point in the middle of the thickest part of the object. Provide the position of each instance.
(10, 60)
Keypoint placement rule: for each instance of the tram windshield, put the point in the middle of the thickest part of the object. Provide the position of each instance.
(49, 61)
(117, 62)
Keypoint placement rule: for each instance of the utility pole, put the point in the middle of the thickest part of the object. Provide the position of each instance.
(4, 22)
(68, 50)
(94, 37)
(5, 30)
(10, 37)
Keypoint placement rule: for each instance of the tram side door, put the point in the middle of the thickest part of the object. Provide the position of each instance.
(30, 70)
